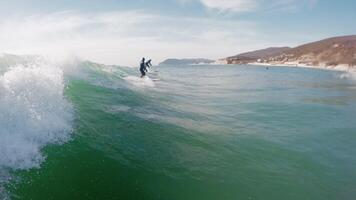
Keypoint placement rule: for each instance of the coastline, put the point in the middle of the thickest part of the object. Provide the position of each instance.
(340, 68)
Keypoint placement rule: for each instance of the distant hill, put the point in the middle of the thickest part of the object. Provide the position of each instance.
(191, 61)
(327, 53)
(253, 56)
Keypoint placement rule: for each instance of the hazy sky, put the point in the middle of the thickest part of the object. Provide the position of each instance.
(122, 31)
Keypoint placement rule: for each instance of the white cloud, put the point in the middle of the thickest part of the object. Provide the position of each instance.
(286, 5)
(238, 6)
(230, 5)
(123, 37)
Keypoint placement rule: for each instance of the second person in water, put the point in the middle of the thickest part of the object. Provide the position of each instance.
(143, 66)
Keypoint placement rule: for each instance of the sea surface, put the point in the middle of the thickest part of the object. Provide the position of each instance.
(80, 130)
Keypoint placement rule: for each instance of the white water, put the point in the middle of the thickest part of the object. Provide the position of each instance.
(140, 82)
(33, 114)
(349, 75)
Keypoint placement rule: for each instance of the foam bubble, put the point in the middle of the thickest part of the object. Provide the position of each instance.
(140, 82)
(33, 114)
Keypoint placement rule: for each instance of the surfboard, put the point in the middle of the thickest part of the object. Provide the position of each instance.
(140, 82)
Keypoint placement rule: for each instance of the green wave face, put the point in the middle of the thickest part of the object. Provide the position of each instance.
(197, 132)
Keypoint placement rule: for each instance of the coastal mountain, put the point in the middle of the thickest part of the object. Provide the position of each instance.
(328, 53)
(253, 56)
(190, 61)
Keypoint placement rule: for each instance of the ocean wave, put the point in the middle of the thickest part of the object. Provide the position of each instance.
(140, 82)
(34, 113)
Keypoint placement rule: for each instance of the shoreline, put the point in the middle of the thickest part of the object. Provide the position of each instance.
(339, 68)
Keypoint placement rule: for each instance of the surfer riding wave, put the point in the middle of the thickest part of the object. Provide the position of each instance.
(143, 67)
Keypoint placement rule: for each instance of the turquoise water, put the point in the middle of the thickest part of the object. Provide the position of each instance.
(198, 132)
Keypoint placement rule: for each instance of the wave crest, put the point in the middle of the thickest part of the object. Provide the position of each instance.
(33, 113)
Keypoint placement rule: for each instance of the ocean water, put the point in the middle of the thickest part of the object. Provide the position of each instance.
(80, 130)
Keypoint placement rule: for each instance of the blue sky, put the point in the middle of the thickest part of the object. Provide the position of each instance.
(121, 31)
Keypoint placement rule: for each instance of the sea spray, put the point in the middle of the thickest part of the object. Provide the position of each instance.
(33, 113)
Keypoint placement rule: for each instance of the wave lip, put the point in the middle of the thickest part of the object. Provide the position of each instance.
(33, 114)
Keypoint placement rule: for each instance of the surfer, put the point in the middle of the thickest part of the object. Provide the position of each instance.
(143, 69)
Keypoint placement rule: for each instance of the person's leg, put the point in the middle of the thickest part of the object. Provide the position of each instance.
(142, 73)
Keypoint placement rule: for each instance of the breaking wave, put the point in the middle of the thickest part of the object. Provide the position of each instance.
(33, 113)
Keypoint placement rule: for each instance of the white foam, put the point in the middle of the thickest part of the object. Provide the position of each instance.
(117, 109)
(351, 75)
(140, 82)
(345, 76)
(33, 114)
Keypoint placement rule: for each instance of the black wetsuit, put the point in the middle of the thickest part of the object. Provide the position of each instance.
(143, 69)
